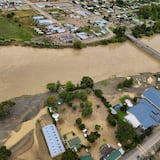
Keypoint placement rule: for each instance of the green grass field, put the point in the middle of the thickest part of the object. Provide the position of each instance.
(9, 29)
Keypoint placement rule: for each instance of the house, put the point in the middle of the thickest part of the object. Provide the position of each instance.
(107, 152)
(147, 111)
(53, 140)
(82, 35)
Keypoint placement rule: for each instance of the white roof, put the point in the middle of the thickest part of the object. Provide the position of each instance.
(55, 116)
(53, 140)
(132, 120)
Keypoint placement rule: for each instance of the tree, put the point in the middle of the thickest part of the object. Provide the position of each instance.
(81, 126)
(87, 111)
(82, 96)
(93, 136)
(126, 134)
(88, 104)
(98, 93)
(111, 120)
(69, 86)
(52, 87)
(5, 107)
(51, 101)
(78, 121)
(97, 127)
(78, 44)
(87, 82)
(4, 153)
(120, 31)
(67, 96)
(69, 155)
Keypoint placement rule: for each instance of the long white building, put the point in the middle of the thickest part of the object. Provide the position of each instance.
(53, 140)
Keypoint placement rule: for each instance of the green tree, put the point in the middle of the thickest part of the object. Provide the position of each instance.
(4, 153)
(69, 86)
(51, 101)
(81, 126)
(67, 96)
(97, 127)
(88, 104)
(120, 31)
(5, 107)
(78, 121)
(78, 44)
(52, 87)
(93, 136)
(111, 120)
(126, 134)
(87, 111)
(69, 155)
(98, 93)
(87, 82)
(82, 96)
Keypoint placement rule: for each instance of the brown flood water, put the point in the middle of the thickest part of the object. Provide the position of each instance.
(26, 70)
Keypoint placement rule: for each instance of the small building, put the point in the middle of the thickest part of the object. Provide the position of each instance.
(74, 144)
(82, 35)
(53, 140)
(87, 157)
(115, 155)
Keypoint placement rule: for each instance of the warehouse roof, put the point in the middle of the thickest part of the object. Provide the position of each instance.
(53, 140)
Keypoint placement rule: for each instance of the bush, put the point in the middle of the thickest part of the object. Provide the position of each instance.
(78, 44)
(126, 83)
(87, 111)
(97, 127)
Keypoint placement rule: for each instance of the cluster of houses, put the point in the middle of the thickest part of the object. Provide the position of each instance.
(10, 5)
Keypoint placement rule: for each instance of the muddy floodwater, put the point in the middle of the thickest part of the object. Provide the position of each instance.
(25, 70)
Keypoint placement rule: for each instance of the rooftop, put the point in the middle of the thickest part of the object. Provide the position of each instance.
(114, 155)
(53, 140)
(87, 157)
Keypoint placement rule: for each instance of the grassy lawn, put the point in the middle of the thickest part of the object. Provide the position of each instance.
(9, 29)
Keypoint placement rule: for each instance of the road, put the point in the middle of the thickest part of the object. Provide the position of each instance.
(144, 147)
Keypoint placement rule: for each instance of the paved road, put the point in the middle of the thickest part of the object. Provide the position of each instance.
(144, 147)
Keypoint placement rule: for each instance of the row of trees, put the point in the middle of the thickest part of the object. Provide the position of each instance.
(86, 82)
(99, 94)
(143, 29)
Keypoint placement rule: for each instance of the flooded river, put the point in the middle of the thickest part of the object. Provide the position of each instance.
(26, 70)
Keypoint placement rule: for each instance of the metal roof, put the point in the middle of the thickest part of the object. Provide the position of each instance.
(53, 140)
(146, 113)
(153, 96)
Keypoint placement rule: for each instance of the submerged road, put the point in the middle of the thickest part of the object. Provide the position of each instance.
(150, 144)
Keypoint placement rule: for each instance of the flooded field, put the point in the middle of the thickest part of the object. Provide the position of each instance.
(26, 70)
